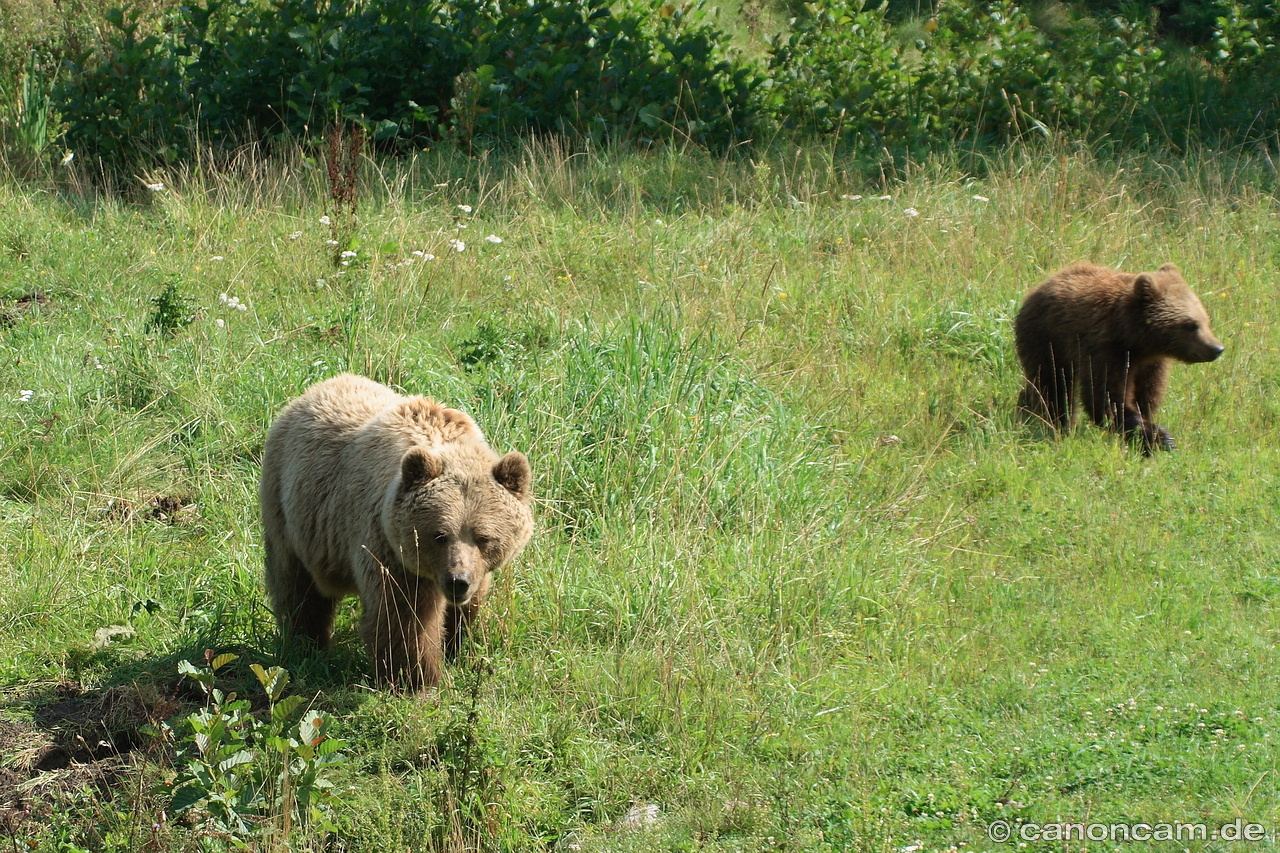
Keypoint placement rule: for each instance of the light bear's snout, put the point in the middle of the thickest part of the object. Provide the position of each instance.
(457, 588)
(460, 576)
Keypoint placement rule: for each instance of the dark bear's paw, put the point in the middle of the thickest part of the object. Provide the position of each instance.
(1156, 438)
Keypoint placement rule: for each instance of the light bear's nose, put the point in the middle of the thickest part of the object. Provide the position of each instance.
(457, 586)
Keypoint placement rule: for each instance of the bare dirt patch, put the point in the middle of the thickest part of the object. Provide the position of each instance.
(60, 741)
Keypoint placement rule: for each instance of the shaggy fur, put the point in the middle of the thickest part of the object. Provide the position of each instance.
(396, 499)
(1110, 334)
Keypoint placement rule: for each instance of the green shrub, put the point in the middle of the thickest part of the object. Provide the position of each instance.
(649, 70)
(404, 69)
(248, 778)
(126, 94)
(982, 72)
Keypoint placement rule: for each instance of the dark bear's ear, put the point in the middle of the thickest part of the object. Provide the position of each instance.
(1145, 287)
(513, 474)
(418, 467)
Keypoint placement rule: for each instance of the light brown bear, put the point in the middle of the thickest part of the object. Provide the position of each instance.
(1112, 334)
(396, 499)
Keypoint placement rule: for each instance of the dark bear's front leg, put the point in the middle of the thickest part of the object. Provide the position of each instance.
(1148, 386)
(1111, 405)
(402, 628)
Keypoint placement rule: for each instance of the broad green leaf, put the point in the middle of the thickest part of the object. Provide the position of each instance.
(285, 707)
(186, 797)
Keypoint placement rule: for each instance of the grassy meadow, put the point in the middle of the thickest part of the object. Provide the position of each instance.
(801, 579)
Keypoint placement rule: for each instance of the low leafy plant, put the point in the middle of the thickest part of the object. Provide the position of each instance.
(171, 311)
(247, 777)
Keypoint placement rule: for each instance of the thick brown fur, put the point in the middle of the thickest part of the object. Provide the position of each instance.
(1109, 336)
(395, 499)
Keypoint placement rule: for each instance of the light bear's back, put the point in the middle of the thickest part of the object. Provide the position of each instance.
(330, 458)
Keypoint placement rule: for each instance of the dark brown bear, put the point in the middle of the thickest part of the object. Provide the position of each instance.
(1110, 334)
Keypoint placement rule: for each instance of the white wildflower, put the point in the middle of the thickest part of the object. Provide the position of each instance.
(428, 257)
(418, 253)
(221, 323)
(295, 235)
(884, 198)
(156, 187)
(911, 212)
(465, 208)
(331, 242)
(320, 282)
(457, 245)
(348, 254)
(981, 198)
(493, 238)
(851, 198)
(25, 396)
(233, 302)
(325, 220)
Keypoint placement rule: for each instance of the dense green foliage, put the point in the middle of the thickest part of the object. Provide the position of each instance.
(982, 72)
(408, 71)
(481, 72)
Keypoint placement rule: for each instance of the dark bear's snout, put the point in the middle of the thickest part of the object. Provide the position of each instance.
(1207, 348)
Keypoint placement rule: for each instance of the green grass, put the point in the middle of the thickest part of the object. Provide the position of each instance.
(802, 579)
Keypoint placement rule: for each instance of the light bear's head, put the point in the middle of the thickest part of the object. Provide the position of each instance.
(1175, 322)
(454, 518)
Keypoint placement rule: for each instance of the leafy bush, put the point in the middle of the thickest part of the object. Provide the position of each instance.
(171, 311)
(1246, 48)
(652, 70)
(478, 71)
(982, 72)
(125, 94)
(463, 68)
(248, 777)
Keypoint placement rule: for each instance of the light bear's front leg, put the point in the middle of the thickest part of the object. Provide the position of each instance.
(401, 627)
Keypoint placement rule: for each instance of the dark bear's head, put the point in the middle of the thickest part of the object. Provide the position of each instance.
(1175, 322)
(454, 519)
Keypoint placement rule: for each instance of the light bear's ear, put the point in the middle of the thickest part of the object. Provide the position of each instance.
(418, 467)
(513, 474)
(1170, 268)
